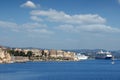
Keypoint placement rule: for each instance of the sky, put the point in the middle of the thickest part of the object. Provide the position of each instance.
(60, 24)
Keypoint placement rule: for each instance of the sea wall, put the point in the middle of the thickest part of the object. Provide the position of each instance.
(20, 59)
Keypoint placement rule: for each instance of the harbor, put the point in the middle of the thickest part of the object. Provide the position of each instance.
(16, 55)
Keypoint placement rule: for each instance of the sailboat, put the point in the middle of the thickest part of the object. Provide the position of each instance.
(113, 60)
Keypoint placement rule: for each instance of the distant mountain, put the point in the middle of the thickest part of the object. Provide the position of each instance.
(88, 52)
(85, 50)
(92, 52)
(2, 47)
(116, 53)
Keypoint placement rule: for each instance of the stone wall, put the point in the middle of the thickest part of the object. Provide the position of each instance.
(20, 59)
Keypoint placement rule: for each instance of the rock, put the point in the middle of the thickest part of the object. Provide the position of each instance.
(4, 56)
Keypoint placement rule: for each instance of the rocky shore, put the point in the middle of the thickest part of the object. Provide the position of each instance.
(4, 56)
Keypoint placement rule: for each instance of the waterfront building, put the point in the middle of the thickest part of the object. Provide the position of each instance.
(26, 50)
(17, 49)
(69, 54)
(46, 53)
(60, 53)
(36, 52)
(53, 53)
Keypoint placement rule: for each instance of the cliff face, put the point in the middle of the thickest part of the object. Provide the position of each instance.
(4, 56)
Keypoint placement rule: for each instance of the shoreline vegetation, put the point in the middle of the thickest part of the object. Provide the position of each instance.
(18, 55)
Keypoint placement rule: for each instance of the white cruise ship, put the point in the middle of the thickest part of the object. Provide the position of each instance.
(81, 57)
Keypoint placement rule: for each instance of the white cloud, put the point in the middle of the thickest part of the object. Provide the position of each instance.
(36, 28)
(29, 4)
(33, 25)
(67, 28)
(92, 23)
(60, 16)
(94, 28)
(98, 28)
(27, 27)
(119, 1)
(42, 31)
(35, 18)
(6, 24)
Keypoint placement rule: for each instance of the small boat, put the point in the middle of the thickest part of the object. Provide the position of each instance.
(113, 62)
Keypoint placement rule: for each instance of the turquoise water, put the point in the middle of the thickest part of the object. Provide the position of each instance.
(83, 70)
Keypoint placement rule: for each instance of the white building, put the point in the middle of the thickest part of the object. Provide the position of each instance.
(60, 53)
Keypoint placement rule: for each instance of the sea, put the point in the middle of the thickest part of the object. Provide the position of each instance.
(64, 70)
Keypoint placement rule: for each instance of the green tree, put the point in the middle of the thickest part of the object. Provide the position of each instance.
(16, 53)
(11, 52)
(21, 53)
(29, 53)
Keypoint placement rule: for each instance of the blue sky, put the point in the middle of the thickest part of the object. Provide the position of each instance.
(60, 24)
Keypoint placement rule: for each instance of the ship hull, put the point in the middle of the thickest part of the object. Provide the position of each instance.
(108, 58)
(103, 58)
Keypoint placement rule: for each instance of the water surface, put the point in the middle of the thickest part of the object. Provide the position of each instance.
(82, 70)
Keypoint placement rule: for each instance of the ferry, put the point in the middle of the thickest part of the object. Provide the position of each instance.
(81, 56)
(103, 55)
